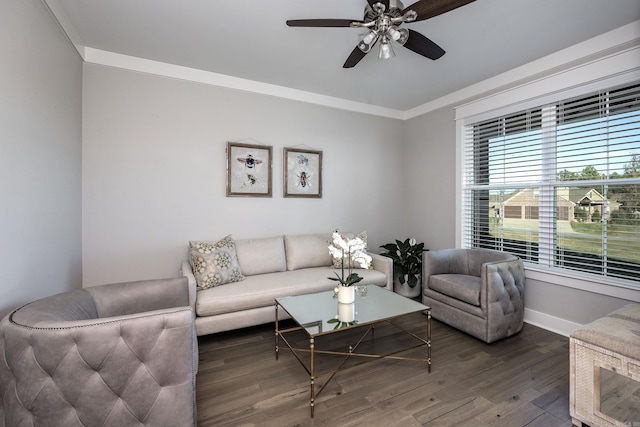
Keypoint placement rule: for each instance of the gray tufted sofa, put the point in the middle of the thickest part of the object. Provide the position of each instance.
(113, 355)
(478, 291)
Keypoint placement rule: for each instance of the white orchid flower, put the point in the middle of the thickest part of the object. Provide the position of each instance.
(412, 242)
(335, 252)
(339, 242)
(351, 252)
(362, 259)
(355, 245)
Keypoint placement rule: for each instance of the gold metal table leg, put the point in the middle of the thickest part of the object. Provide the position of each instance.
(429, 341)
(311, 374)
(312, 353)
(277, 332)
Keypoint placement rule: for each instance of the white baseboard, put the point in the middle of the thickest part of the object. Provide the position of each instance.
(550, 323)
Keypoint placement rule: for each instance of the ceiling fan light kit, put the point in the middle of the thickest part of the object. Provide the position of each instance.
(382, 19)
(386, 50)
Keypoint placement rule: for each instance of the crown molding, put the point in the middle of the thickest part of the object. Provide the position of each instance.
(623, 41)
(64, 22)
(116, 60)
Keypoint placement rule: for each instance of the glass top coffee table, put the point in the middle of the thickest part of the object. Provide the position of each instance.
(320, 315)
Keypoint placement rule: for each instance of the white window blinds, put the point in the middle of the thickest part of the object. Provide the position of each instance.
(559, 185)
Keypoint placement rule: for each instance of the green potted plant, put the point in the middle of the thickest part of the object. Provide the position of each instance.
(407, 265)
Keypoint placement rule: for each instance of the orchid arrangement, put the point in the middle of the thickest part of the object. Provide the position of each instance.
(354, 249)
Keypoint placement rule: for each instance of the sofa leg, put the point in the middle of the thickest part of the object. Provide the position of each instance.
(576, 422)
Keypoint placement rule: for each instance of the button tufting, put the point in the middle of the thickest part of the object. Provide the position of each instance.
(126, 371)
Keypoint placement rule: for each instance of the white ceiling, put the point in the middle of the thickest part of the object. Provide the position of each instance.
(249, 39)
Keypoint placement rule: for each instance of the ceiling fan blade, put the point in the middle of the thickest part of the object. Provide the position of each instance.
(423, 46)
(429, 8)
(321, 22)
(355, 57)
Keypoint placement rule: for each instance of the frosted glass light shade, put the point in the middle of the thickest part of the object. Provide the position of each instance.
(386, 51)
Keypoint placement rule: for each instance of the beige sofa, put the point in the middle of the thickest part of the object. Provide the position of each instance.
(272, 267)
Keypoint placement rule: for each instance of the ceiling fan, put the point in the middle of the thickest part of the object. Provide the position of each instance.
(382, 19)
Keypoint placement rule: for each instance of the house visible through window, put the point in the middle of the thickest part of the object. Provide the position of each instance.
(559, 185)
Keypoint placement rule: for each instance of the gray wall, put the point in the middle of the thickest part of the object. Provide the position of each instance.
(430, 187)
(154, 171)
(40, 161)
(573, 306)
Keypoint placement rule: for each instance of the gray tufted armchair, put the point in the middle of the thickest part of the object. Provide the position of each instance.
(114, 355)
(478, 291)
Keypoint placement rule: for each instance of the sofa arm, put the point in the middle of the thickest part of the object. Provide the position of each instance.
(140, 296)
(502, 296)
(385, 265)
(187, 272)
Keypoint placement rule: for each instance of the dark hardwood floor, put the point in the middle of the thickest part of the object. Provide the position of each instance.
(519, 381)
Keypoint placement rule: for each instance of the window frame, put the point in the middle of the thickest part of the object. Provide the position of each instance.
(496, 106)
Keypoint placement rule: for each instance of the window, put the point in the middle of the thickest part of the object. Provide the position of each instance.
(559, 184)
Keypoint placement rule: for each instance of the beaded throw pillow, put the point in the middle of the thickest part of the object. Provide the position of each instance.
(214, 263)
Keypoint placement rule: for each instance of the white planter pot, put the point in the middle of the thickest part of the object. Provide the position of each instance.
(405, 290)
(346, 294)
(346, 312)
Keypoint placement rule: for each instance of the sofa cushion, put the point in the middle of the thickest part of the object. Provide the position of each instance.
(307, 250)
(261, 290)
(459, 286)
(214, 263)
(259, 256)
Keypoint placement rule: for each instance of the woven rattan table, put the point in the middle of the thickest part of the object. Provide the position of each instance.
(320, 315)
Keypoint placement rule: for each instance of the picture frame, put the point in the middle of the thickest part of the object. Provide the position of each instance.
(302, 173)
(249, 170)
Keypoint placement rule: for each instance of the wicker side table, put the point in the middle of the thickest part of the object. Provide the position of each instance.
(605, 370)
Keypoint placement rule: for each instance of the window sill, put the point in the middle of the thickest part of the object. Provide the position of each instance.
(618, 288)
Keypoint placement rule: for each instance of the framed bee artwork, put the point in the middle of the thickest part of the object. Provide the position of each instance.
(248, 170)
(302, 173)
